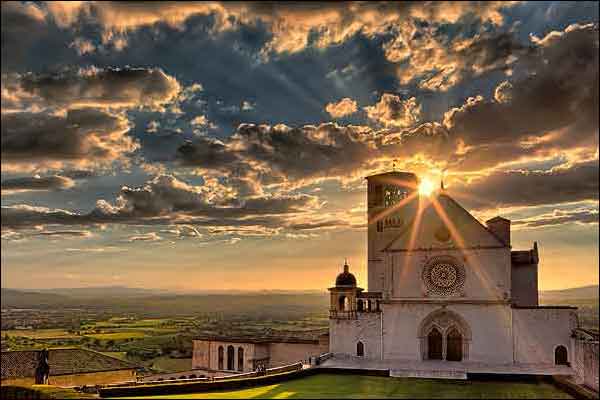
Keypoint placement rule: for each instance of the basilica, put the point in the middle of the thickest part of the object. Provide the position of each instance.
(444, 290)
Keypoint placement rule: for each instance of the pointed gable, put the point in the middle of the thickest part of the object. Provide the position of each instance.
(433, 233)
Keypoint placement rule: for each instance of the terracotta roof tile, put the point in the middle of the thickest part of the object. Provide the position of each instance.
(21, 364)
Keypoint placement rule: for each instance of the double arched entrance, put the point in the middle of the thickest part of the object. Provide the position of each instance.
(444, 335)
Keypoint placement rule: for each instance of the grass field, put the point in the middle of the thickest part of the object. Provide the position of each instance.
(360, 387)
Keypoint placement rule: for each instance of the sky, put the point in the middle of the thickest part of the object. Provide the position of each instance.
(195, 146)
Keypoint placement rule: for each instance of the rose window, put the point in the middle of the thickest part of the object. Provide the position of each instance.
(444, 276)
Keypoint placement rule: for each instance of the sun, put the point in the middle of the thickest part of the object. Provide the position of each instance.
(426, 187)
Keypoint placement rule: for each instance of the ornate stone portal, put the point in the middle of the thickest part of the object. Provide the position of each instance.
(454, 336)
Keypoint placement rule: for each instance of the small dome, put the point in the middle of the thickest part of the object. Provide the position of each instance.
(345, 278)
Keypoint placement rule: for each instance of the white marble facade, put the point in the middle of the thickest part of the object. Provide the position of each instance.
(443, 286)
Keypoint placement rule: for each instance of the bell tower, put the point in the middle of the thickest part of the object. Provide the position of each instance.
(343, 296)
(392, 199)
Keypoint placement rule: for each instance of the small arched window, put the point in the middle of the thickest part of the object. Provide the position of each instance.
(342, 303)
(240, 359)
(230, 358)
(359, 305)
(221, 356)
(360, 349)
(561, 355)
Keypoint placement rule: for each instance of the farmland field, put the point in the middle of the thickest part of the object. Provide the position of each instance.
(117, 335)
(40, 333)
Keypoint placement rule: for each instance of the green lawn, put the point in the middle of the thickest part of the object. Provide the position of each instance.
(360, 387)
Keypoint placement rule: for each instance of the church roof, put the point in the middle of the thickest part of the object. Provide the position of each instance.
(432, 231)
(22, 364)
(346, 278)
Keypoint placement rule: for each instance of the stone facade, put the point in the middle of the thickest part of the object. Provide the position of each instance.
(585, 358)
(250, 353)
(446, 287)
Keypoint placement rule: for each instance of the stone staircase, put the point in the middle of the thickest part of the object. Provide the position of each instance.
(429, 374)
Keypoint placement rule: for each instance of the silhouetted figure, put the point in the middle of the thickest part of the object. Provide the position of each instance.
(43, 368)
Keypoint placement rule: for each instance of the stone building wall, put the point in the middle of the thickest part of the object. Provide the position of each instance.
(287, 353)
(489, 325)
(206, 353)
(538, 331)
(213, 348)
(585, 362)
(524, 284)
(201, 354)
(487, 273)
(344, 334)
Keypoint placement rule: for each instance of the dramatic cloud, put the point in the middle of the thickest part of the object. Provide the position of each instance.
(291, 24)
(66, 234)
(166, 200)
(553, 106)
(55, 182)
(342, 108)
(22, 24)
(530, 188)
(97, 87)
(559, 217)
(392, 111)
(145, 237)
(83, 136)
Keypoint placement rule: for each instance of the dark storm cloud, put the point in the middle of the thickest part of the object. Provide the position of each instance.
(530, 188)
(82, 135)
(55, 182)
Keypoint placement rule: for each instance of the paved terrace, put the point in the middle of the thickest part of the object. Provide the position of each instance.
(445, 369)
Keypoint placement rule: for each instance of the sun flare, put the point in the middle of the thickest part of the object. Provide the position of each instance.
(426, 187)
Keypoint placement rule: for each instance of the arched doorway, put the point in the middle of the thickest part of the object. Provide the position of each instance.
(342, 303)
(240, 359)
(360, 349)
(221, 356)
(230, 358)
(434, 345)
(561, 355)
(453, 345)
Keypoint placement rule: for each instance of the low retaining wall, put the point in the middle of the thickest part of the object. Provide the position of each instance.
(195, 387)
